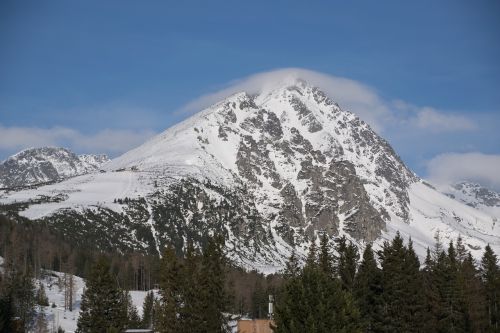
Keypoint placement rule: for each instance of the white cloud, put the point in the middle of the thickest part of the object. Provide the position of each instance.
(352, 95)
(431, 119)
(477, 167)
(109, 141)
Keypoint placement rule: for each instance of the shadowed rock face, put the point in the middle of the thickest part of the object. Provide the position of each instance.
(47, 164)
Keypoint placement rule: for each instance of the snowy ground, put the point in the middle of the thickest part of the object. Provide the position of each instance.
(58, 316)
(96, 189)
(432, 211)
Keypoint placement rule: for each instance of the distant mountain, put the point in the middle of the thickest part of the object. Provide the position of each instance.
(40, 165)
(473, 194)
(271, 172)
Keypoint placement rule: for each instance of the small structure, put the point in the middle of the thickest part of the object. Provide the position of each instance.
(258, 325)
(138, 330)
(255, 326)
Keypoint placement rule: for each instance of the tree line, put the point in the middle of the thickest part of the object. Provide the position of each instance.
(336, 290)
(31, 250)
(390, 291)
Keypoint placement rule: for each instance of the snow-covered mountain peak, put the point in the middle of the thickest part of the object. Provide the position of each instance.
(473, 194)
(270, 170)
(39, 165)
(291, 136)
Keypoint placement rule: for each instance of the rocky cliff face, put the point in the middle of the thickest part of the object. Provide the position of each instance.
(41, 165)
(307, 165)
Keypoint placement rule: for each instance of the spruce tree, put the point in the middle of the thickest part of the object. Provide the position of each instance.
(430, 294)
(491, 281)
(313, 301)
(23, 299)
(346, 262)
(102, 306)
(414, 300)
(212, 286)
(171, 293)
(133, 319)
(402, 286)
(325, 257)
(41, 297)
(368, 291)
(192, 311)
(147, 310)
(473, 296)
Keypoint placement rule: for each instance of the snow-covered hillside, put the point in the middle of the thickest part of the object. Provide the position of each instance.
(269, 171)
(41, 165)
(56, 313)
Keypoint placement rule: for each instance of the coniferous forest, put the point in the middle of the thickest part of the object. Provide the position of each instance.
(337, 289)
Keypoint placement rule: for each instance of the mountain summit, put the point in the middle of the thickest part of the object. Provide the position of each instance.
(270, 171)
(46, 164)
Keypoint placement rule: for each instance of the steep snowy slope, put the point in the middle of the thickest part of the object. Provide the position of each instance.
(270, 171)
(476, 196)
(40, 165)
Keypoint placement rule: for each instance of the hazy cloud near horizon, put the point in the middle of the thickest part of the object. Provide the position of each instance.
(477, 167)
(109, 141)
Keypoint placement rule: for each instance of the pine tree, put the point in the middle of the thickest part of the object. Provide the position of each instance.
(212, 286)
(368, 291)
(191, 313)
(6, 313)
(473, 296)
(41, 297)
(313, 301)
(171, 293)
(414, 299)
(133, 319)
(292, 267)
(325, 258)
(102, 308)
(147, 310)
(430, 294)
(23, 297)
(402, 286)
(347, 261)
(491, 281)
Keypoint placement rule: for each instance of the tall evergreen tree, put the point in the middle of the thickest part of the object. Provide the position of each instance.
(430, 294)
(171, 293)
(133, 318)
(491, 281)
(368, 291)
(148, 310)
(325, 258)
(102, 308)
(473, 296)
(402, 286)
(212, 286)
(346, 262)
(414, 299)
(191, 313)
(314, 301)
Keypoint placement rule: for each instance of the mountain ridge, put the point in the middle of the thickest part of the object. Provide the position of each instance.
(270, 171)
(32, 166)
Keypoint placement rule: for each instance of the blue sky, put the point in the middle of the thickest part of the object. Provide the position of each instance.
(102, 76)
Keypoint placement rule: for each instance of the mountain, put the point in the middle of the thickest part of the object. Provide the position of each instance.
(40, 165)
(475, 195)
(270, 171)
